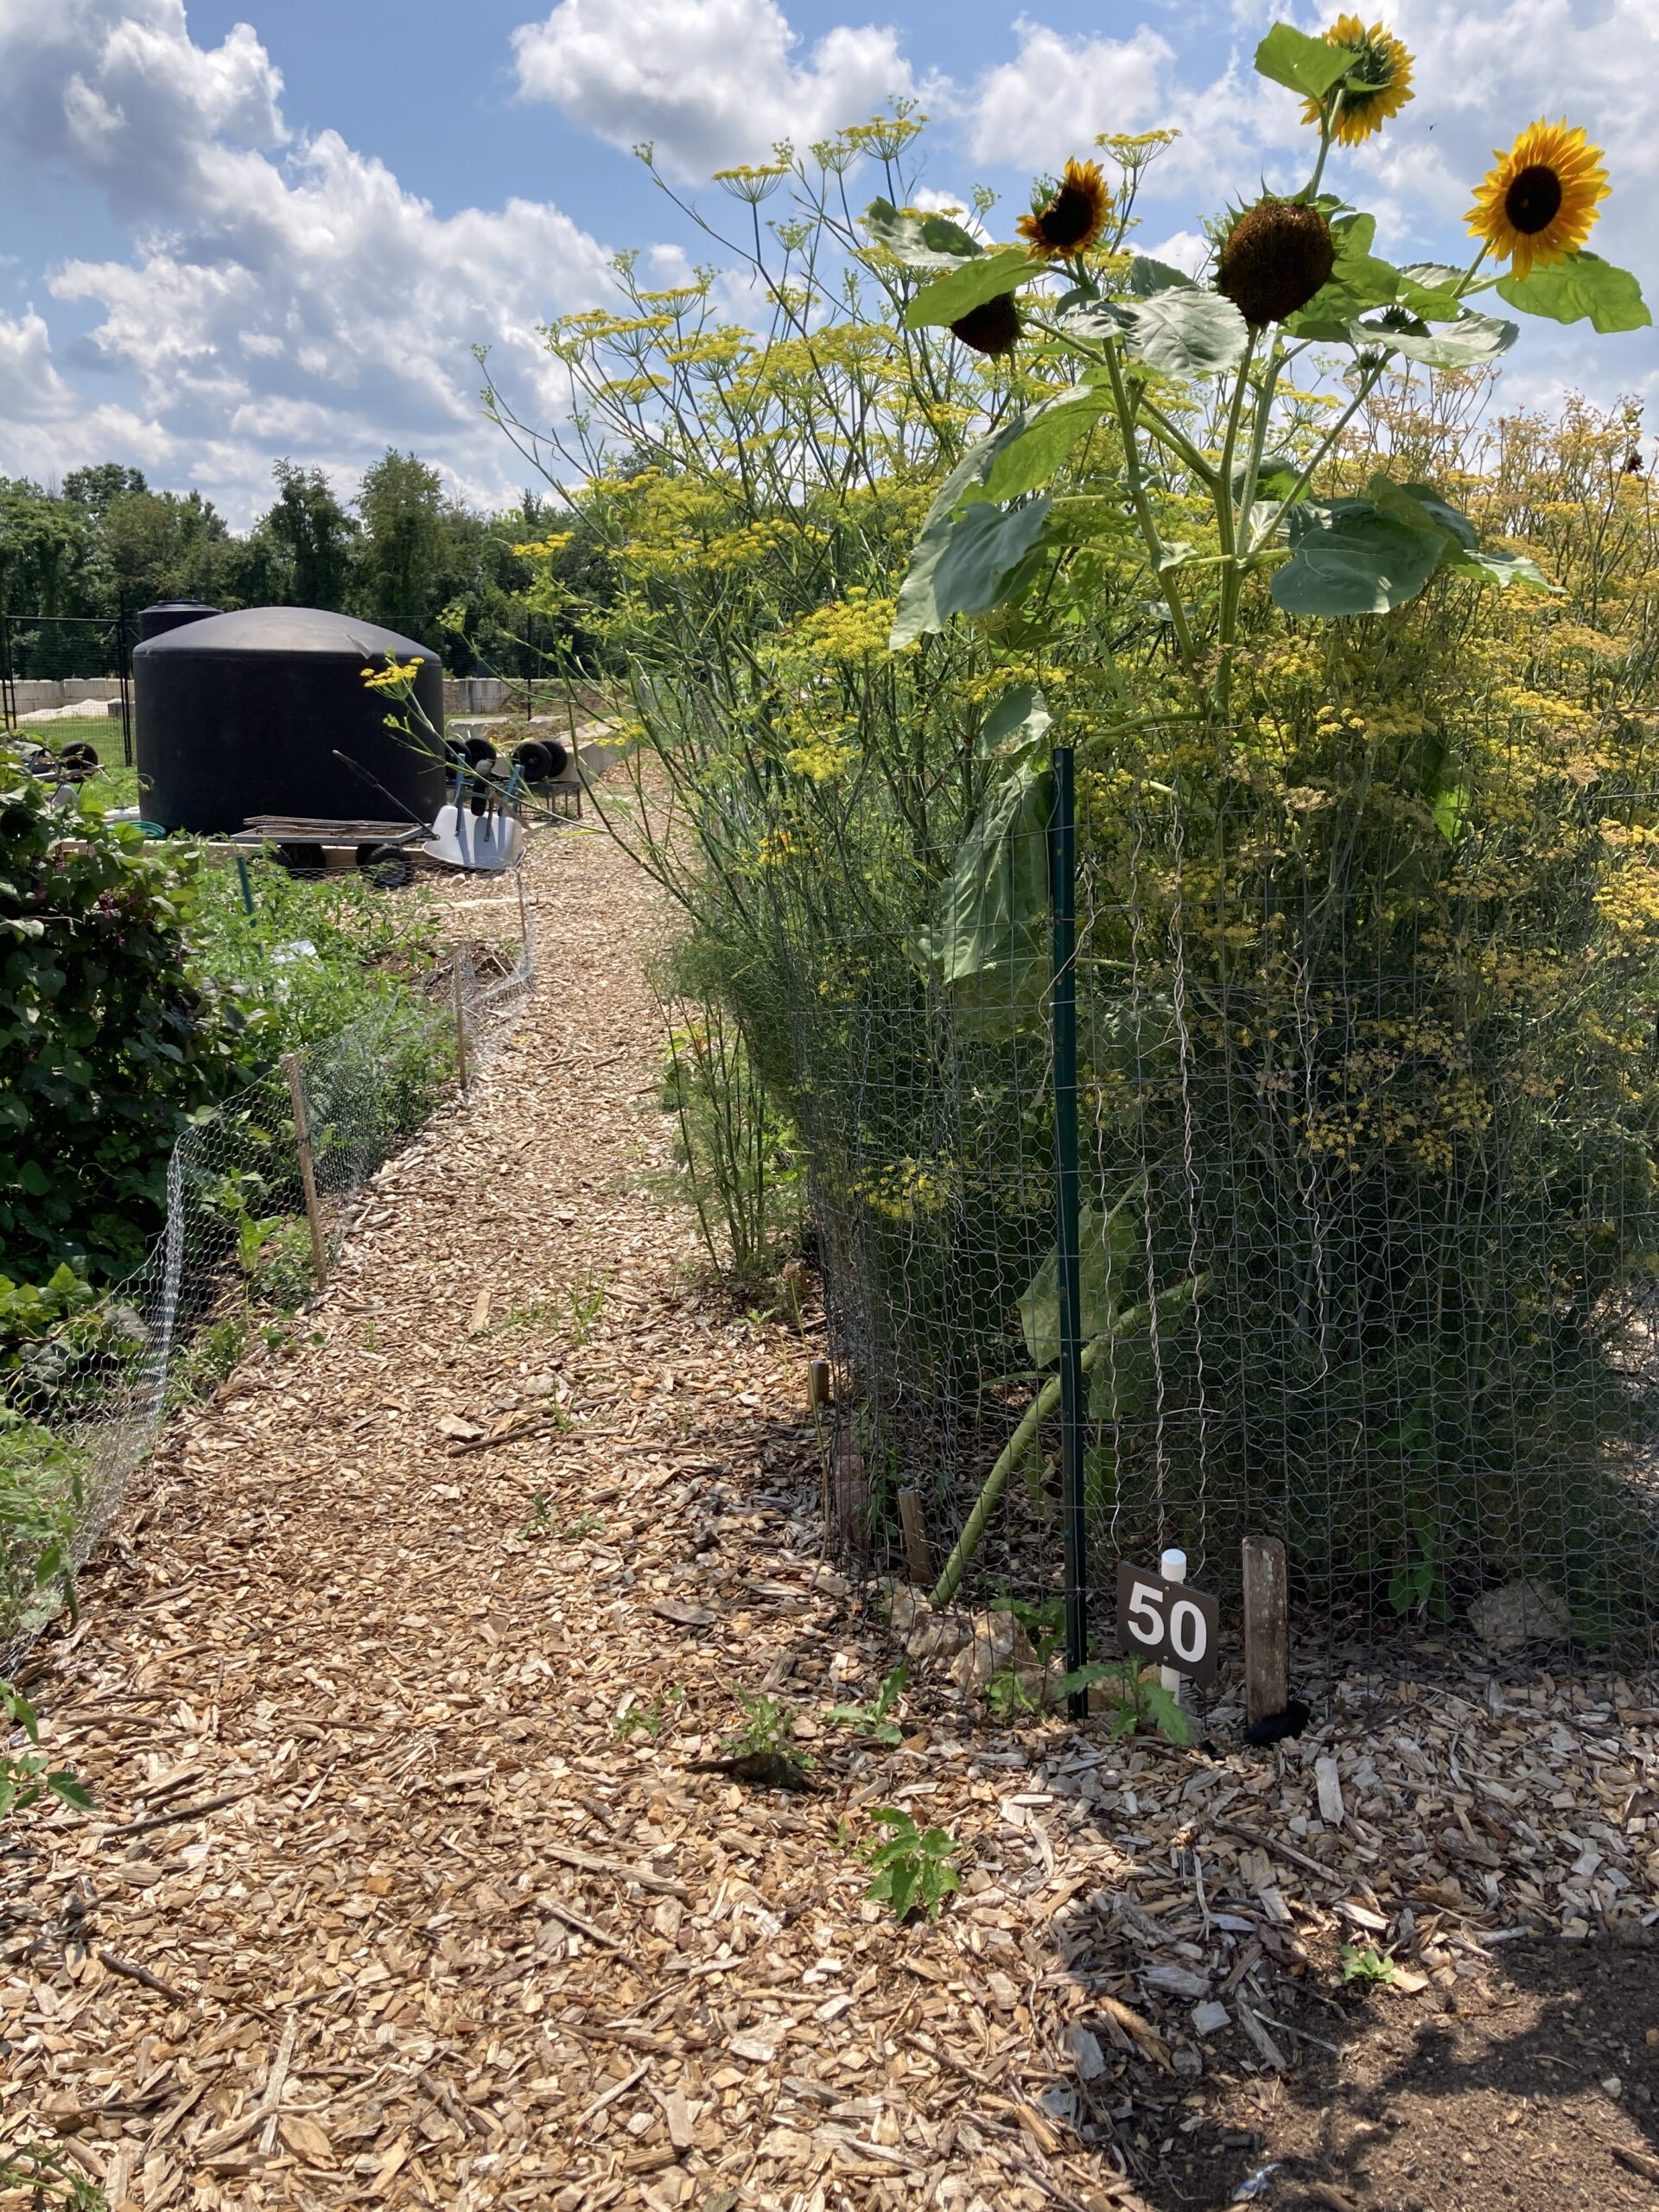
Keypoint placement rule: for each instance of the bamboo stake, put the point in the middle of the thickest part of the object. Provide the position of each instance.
(307, 1167)
(1039, 1410)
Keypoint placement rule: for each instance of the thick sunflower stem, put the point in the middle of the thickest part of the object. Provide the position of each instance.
(1042, 1405)
(1144, 515)
(1227, 625)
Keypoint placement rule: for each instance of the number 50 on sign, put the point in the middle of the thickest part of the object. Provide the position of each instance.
(1165, 1621)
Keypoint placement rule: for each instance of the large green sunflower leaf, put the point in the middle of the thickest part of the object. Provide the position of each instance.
(919, 237)
(1500, 568)
(1304, 65)
(1421, 507)
(1144, 277)
(961, 565)
(1430, 289)
(1101, 319)
(1188, 331)
(1349, 559)
(1468, 342)
(948, 298)
(988, 942)
(1582, 285)
(1015, 726)
(1047, 435)
(1108, 1246)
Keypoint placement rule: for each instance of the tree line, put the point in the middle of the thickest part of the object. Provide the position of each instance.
(403, 553)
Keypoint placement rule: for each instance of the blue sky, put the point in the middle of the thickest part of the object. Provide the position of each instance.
(244, 228)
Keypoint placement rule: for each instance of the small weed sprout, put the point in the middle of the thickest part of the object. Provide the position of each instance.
(541, 1521)
(912, 1867)
(767, 1727)
(1365, 1967)
(1007, 1697)
(871, 1721)
(25, 1778)
(585, 1524)
(653, 1718)
(1142, 1701)
(47, 2173)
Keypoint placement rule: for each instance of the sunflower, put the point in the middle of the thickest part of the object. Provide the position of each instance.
(1068, 217)
(993, 328)
(1537, 203)
(1379, 79)
(1275, 258)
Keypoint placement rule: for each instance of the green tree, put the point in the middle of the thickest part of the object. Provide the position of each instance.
(311, 536)
(97, 488)
(45, 544)
(400, 567)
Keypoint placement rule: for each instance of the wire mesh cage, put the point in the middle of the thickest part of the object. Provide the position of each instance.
(1367, 1204)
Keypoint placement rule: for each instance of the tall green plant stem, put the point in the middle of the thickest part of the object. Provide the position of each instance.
(1232, 572)
(1143, 510)
(1122, 1324)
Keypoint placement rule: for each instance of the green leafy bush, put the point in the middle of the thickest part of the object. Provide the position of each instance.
(110, 1042)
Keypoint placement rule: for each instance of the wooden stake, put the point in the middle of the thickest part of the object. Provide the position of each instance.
(1267, 1630)
(307, 1167)
(817, 1382)
(460, 1022)
(526, 957)
(918, 1558)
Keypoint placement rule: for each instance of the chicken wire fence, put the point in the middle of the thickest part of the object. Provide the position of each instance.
(1367, 1215)
(260, 1198)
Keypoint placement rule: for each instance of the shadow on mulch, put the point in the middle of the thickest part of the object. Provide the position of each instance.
(1540, 2089)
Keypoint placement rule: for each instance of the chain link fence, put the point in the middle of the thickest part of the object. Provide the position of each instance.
(260, 1198)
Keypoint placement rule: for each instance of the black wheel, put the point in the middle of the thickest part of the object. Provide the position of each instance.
(541, 760)
(386, 866)
(302, 860)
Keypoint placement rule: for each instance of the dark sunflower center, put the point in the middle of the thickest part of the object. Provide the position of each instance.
(1533, 199)
(1068, 218)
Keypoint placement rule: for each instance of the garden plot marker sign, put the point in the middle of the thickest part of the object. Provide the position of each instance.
(1159, 1617)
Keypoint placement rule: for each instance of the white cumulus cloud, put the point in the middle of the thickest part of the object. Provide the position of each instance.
(281, 293)
(1058, 94)
(711, 83)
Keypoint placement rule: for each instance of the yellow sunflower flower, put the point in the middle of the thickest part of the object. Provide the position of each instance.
(1538, 202)
(1380, 75)
(1072, 215)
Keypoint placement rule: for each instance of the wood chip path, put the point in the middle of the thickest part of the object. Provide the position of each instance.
(384, 1902)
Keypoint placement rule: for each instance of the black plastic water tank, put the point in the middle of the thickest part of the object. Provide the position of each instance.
(170, 614)
(245, 714)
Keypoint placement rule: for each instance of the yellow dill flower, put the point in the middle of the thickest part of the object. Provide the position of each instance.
(1538, 202)
(392, 677)
(1380, 80)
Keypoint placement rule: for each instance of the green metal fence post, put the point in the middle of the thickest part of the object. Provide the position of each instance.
(1063, 874)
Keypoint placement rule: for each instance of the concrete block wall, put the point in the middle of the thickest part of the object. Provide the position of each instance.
(37, 691)
(475, 694)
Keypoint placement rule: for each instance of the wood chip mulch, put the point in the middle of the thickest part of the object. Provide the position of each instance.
(386, 1902)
